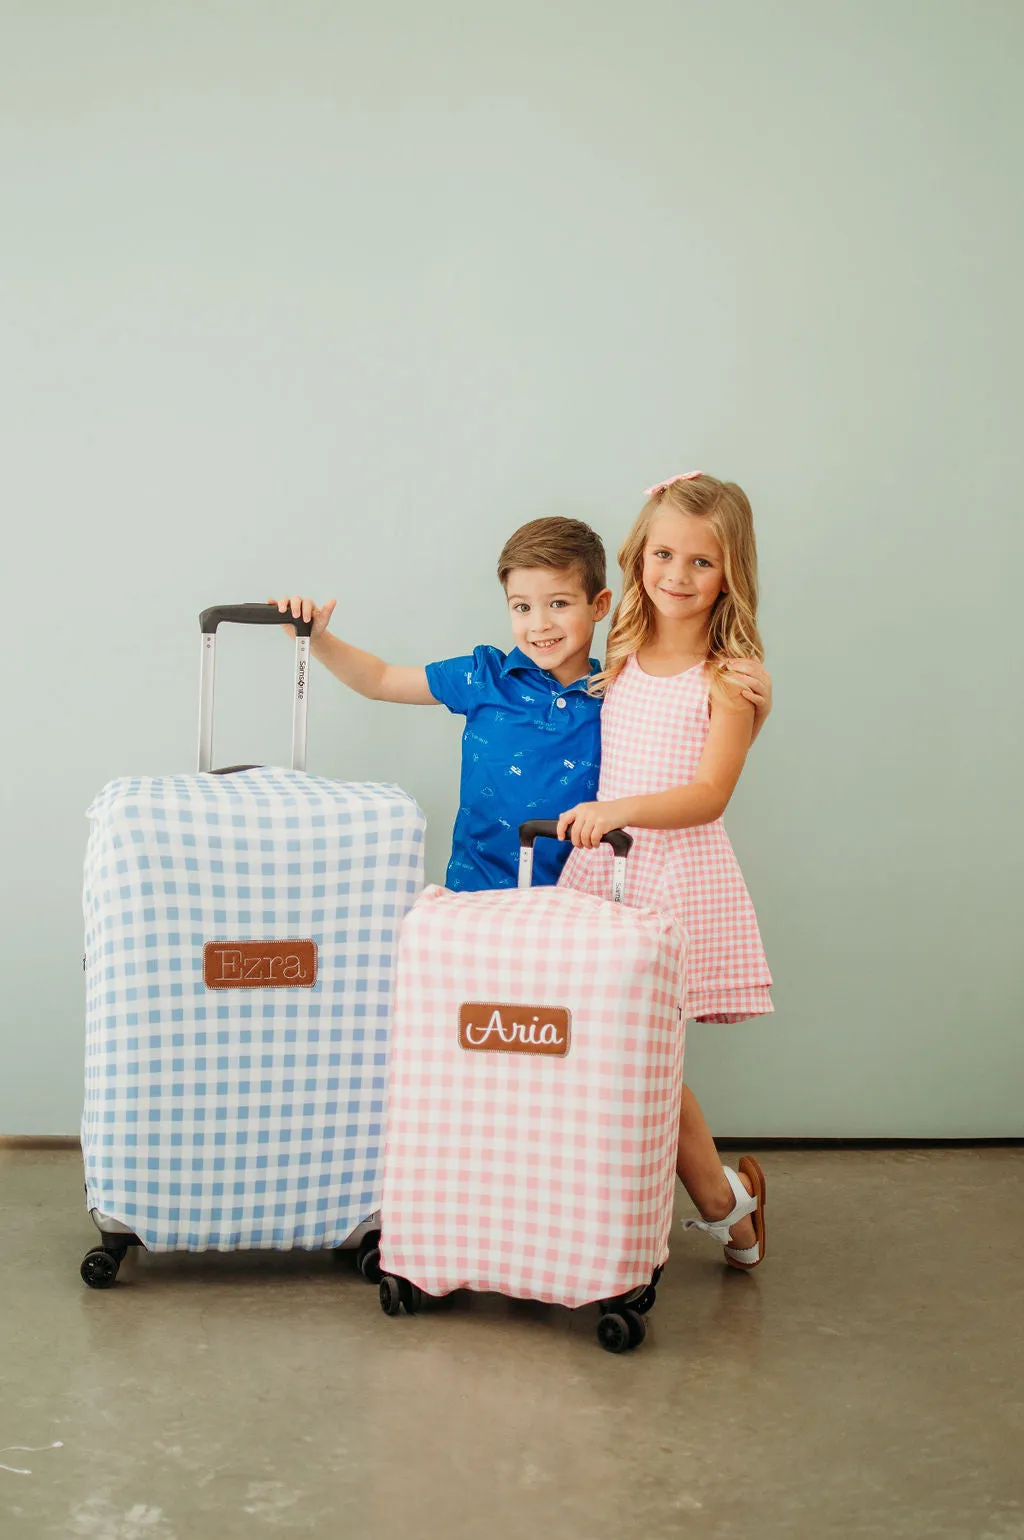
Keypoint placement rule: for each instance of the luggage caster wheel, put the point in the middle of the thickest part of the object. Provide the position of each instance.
(412, 1297)
(637, 1327)
(389, 1295)
(369, 1265)
(99, 1268)
(646, 1300)
(368, 1262)
(613, 1332)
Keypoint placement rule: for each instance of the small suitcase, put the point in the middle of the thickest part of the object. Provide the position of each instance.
(241, 930)
(536, 1073)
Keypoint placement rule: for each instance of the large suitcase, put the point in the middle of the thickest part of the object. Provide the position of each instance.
(536, 1073)
(241, 930)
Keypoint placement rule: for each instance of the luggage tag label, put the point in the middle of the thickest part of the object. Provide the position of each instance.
(489, 1026)
(259, 964)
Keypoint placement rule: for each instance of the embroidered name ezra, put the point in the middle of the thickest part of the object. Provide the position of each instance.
(530, 749)
(260, 964)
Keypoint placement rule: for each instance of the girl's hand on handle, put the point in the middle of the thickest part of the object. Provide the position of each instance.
(306, 609)
(587, 823)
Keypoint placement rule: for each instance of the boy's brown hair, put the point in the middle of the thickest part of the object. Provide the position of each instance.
(556, 543)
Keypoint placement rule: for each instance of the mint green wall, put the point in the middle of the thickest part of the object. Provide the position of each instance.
(333, 297)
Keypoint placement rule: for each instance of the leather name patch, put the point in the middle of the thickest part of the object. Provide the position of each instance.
(259, 964)
(487, 1026)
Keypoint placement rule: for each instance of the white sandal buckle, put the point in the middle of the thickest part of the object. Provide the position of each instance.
(746, 1203)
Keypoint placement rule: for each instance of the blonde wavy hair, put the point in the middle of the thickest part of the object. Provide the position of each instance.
(732, 629)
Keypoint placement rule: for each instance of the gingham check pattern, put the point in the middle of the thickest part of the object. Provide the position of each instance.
(222, 1119)
(534, 1176)
(653, 733)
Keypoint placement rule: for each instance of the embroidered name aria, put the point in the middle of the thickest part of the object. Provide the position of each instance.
(515, 1031)
(536, 1029)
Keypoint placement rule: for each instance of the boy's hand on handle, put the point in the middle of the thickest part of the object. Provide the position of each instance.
(588, 822)
(360, 671)
(306, 609)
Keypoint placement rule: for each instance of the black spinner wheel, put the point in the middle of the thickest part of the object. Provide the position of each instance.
(412, 1298)
(368, 1257)
(637, 1327)
(613, 1332)
(389, 1293)
(99, 1267)
(621, 1332)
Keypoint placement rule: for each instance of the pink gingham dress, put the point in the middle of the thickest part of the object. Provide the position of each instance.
(653, 733)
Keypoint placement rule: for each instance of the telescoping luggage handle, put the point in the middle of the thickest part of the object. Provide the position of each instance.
(252, 615)
(618, 839)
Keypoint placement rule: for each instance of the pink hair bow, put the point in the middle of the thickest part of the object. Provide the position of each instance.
(663, 486)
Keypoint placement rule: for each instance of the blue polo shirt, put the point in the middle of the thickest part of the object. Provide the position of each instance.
(530, 749)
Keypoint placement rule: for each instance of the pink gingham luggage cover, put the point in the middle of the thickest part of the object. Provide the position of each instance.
(526, 1173)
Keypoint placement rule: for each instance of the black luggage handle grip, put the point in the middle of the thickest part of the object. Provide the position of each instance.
(251, 615)
(547, 828)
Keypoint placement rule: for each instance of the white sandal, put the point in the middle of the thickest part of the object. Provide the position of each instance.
(745, 1258)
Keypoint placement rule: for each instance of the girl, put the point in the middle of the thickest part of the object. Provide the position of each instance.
(675, 730)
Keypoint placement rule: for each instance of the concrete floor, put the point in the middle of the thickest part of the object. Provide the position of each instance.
(868, 1382)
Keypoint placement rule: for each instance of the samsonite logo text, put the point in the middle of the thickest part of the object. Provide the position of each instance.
(259, 964)
(493, 1026)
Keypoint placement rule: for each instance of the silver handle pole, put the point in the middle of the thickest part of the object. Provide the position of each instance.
(525, 866)
(206, 672)
(299, 728)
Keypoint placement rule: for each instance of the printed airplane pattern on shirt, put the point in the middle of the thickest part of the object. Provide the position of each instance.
(516, 722)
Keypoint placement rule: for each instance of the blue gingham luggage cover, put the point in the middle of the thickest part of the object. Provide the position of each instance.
(249, 1117)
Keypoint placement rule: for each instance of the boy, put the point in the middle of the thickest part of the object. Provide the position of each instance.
(532, 743)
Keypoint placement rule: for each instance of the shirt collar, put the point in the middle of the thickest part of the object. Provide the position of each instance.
(518, 662)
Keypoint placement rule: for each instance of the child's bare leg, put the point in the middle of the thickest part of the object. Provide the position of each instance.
(699, 1168)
